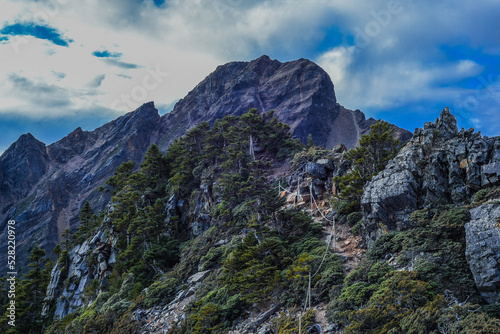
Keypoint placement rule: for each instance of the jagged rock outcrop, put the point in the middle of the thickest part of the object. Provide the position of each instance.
(68, 280)
(44, 188)
(438, 165)
(311, 178)
(483, 250)
(160, 319)
(441, 165)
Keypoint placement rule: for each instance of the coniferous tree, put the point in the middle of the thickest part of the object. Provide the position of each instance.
(120, 176)
(310, 141)
(154, 168)
(88, 221)
(368, 159)
(30, 292)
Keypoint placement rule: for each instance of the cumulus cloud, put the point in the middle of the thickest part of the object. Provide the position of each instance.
(417, 53)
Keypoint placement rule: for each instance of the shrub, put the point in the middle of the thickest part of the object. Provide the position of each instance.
(480, 195)
(480, 323)
(161, 292)
(398, 294)
(343, 207)
(358, 228)
(288, 322)
(216, 311)
(353, 218)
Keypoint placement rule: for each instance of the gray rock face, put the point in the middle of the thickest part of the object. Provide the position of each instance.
(490, 173)
(438, 165)
(198, 219)
(300, 92)
(483, 250)
(316, 170)
(160, 319)
(80, 274)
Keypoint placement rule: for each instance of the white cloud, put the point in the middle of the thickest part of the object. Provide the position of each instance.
(336, 63)
(392, 84)
(93, 26)
(188, 40)
(403, 59)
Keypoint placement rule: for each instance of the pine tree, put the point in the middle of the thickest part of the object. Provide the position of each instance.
(30, 292)
(310, 141)
(66, 235)
(368, 159)
(119, 178)
(154, 165)
(88, 221)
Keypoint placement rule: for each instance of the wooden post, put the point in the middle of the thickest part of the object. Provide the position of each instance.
(309, 289)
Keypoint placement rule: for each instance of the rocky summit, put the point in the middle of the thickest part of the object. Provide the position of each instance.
(44, 187)
(439, 164)
(300, 92)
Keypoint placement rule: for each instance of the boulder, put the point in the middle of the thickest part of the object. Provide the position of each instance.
(326, 163)
(490, 174)
(316, 170)
(198, 277)
(483, 250)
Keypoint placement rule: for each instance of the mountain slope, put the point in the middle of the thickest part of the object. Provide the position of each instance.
(44, 188)
(209, 245)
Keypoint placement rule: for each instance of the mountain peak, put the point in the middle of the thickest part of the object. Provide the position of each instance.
(21, 166)
(447, 124)
(147, 111)
(146, 107)
(26, 142)
(300, 93)
(263, 61)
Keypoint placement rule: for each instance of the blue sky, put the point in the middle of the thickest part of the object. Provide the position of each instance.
(65, 64)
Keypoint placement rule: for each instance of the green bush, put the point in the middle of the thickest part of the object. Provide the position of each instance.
(397, 295)
(353, 218)
(359, 287)
(214, 312)
(357, 228)
(480, 323)
(214, 257)
(161, 292)
(343, 207)
(480, 195)
(288, 322)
